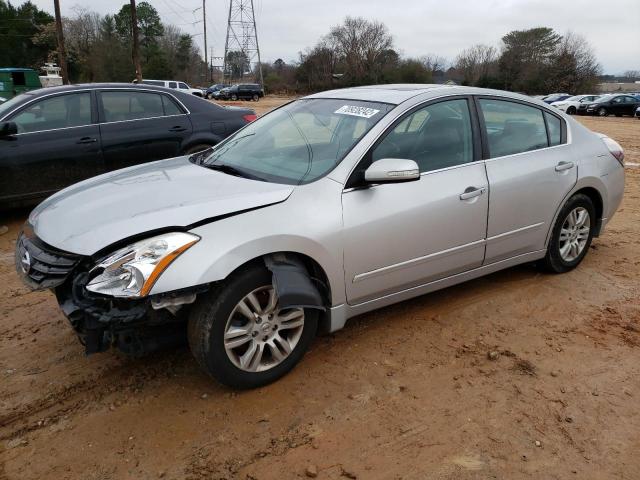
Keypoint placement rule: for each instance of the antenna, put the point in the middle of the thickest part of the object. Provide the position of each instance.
(241, 49)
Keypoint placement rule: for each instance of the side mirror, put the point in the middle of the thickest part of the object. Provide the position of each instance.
(7, 129)
(392, 170)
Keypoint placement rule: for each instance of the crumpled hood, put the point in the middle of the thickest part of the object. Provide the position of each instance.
(98, 212)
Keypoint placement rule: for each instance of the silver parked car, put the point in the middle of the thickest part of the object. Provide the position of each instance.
(328, 207)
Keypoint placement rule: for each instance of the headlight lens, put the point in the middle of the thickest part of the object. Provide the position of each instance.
(134, 269)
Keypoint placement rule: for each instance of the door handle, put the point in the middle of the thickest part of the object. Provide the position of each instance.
(177, 129)
(472, 192)
(87, 140)
(562, 166)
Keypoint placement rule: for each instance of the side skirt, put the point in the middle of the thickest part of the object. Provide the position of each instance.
(341, 313)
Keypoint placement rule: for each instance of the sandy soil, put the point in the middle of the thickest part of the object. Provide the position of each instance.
(408, 392)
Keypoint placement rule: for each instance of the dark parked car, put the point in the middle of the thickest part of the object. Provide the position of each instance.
(213, 89)
(53, 137)
(243, 91)
(617, 105)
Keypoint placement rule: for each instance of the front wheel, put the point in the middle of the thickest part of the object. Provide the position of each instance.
(571, 110)
(241, 336)
(234, 97)
(255, 97)
(572, 235)
(602, 112)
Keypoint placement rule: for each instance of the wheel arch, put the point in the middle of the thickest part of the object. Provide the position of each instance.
(596, 197)
(316, 273)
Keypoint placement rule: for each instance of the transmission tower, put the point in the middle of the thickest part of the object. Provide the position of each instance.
(242, 41)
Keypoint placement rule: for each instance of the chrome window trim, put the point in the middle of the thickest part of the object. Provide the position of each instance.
(145, 118)
(24, 105)
(527, 152)
(97, 89)
(57, 129)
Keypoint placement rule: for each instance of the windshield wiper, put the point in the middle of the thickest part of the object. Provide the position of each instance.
(230, 170)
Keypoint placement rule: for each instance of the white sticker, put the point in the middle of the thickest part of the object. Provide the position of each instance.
(357, 111)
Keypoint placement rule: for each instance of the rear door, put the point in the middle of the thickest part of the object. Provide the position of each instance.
(530, 169)
(630, 105)
(139, 126)
(58, 143)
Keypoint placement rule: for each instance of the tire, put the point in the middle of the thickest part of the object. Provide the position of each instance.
(215, 314)
(196, 148)
(234, 97)
(571, 110)
(209, 96)
(255, 97)
(602, 112)
(555, 260)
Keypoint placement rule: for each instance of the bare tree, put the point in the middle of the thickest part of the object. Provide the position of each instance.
(361, 45)
(574, 67)
(476, 63)
(631, 75)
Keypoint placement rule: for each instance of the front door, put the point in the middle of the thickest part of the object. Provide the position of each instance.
(141, 126)
(57, 145)
(398, 236)
(530, 172)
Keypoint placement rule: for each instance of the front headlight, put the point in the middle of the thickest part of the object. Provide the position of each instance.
(133, 270)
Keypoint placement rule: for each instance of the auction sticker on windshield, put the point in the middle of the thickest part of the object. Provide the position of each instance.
(357, 111)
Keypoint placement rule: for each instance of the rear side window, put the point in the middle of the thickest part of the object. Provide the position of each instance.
(18, 79)
(173, 85)
(63, 111)
(170, 107)
(157, 83)
(121, 106)
(512, 127)
(555, 129)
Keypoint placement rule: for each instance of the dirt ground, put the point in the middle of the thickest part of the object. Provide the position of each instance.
(407, 392)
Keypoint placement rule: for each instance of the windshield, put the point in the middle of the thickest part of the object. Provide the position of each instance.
(299, 142)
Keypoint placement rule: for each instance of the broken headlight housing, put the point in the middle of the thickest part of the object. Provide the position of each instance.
(133, 270)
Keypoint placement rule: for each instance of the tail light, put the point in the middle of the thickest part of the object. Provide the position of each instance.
(615, 148)
(250, 117)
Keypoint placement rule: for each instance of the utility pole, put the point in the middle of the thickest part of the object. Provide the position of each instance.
(242, 38)
(204, 23)
(62, 54)
(135, 52)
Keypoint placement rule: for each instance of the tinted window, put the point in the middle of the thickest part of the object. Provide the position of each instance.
(157, 83)
(436, 136)
(18, 79)
(630, 100)
(173, 85)
(170, 107)
(183, 85)
(512, 127)
(56, 112)
(119, 106)
(555, 132)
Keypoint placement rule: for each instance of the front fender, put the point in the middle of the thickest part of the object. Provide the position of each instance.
(289, 226)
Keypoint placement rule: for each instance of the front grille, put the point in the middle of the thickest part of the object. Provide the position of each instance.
(42, 266)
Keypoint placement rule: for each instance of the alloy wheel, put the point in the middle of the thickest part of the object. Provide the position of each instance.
(574, 234)
(258, 334)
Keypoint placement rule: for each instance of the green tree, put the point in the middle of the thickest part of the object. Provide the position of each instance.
(21, 31)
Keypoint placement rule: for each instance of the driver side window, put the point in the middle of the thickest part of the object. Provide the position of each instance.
(436, 136)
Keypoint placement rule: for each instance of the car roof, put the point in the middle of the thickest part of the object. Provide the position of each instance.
(93, 86)
(398, 93)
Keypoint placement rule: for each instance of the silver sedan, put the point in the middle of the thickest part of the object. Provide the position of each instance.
(328, 207)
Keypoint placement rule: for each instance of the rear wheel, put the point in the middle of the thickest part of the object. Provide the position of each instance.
(241, 337)
(572, 235)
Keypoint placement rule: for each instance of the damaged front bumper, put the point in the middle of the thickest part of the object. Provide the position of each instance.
(134, 326)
